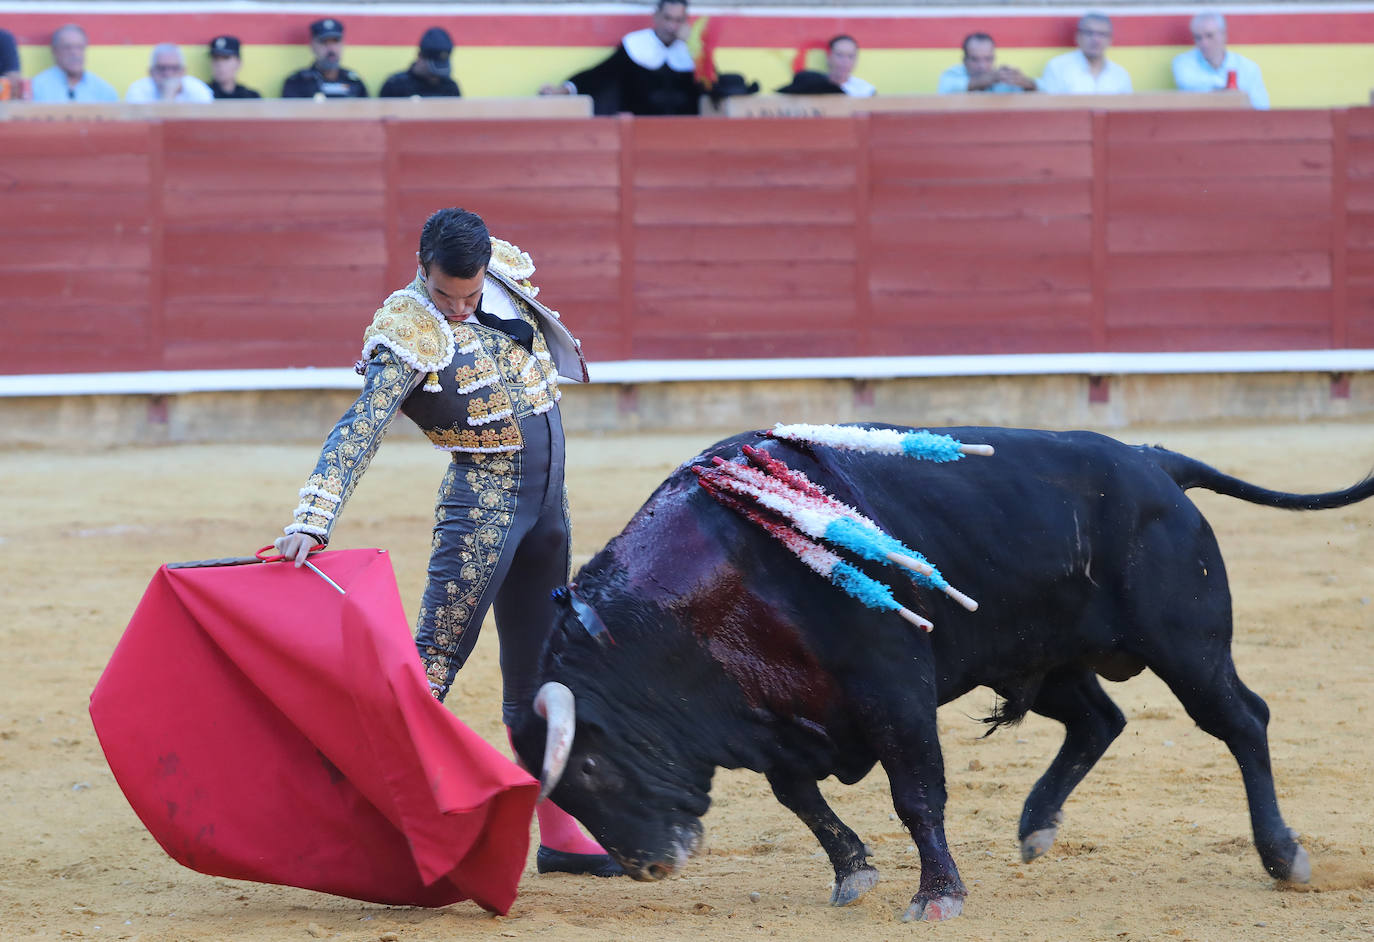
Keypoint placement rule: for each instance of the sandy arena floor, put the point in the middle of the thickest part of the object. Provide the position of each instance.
(1156, 843)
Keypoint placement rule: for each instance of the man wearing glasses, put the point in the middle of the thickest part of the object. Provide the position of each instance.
(167, 79)
(1087, 70)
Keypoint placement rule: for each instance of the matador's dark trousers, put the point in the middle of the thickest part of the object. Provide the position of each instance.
(501, 538)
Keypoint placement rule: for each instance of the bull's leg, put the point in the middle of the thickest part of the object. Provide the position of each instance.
(907, 742)
(848, 855)
(1091, 721)
(1223, 706)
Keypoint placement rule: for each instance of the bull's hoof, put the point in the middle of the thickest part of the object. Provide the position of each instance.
(1300, 869)
(1037, 843)
(854, 886)
(935, 910)
(1292, 866)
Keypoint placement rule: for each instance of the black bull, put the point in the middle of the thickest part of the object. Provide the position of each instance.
(720, 649)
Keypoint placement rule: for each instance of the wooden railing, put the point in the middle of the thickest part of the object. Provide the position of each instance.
(186, 243)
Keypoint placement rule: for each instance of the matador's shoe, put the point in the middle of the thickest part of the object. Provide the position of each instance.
(548, 860)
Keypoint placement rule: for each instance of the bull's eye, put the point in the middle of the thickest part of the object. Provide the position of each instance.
(599, 776)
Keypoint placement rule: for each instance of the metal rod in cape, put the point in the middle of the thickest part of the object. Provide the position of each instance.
(316, 570)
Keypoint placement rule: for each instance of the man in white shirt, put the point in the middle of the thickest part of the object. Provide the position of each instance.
(979, 72)
(1087, 71)
(841, 55)
(1210, 66)
(167, 79)
(68, 79)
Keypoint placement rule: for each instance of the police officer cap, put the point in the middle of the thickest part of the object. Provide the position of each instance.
(326, 29)
(435, 48)
(224, 46)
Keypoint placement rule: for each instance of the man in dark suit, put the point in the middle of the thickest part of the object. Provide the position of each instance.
(651, 72)
(327, 76)
(430, 75)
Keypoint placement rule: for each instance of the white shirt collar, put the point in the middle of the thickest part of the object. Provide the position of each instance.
(647, 51)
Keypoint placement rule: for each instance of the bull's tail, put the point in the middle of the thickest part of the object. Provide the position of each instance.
(1189, 472)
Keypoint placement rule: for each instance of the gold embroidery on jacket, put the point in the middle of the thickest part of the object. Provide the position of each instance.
(414, 333)
(351, 445)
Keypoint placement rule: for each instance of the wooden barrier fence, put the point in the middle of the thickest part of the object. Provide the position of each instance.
(193, 244)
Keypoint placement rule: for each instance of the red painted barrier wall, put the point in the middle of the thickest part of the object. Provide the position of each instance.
(242, 244)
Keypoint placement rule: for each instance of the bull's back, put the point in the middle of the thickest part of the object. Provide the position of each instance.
(1046, 534)
(1053, 535)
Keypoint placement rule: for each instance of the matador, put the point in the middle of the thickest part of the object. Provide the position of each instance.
(473, 358)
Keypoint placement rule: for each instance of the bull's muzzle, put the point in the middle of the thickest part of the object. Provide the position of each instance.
(556, 705)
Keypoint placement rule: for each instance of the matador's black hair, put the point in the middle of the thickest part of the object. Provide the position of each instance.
(456, 240)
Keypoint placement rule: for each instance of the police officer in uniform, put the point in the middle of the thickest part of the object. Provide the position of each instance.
(224, 69)
(429, 76)
(327, 76)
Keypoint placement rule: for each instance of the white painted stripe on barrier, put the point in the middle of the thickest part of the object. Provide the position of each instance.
(164, 383)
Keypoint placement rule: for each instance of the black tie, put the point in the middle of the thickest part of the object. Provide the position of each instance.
(514, 328)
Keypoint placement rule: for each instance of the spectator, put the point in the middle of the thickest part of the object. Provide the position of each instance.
(9, 63)
(841, 55)
(979, 72)
(650, 73)
(224, 69)
(326, 76)
(167, 79)
(429, 76)
(1087, 71)
(1211, 66)
(68, 80)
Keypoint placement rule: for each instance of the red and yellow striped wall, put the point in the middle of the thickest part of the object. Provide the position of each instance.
(1313, 55)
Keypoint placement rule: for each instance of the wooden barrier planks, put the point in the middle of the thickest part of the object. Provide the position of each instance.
(198, 244)
(1358, 201)
(273, 236)
(744, 238)
(77, 248)
(980, 233)
(1219, 231)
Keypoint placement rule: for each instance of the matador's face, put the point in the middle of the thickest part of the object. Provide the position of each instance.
(456, 298)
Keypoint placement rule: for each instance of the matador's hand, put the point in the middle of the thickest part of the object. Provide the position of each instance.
(295, 547)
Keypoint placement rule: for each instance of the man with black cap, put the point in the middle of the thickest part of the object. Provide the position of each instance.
(326, 77)
(430, 75)
(224, 69)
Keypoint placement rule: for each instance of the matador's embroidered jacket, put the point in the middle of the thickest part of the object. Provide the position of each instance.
(465, 385)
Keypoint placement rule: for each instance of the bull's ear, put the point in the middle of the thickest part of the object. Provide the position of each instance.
(555, 703)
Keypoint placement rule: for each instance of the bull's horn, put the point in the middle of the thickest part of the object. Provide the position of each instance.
(555, 704)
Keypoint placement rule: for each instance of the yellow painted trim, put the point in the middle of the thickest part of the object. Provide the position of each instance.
(1297, 76)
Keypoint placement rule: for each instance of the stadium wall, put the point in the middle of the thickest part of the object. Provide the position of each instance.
(239, 244)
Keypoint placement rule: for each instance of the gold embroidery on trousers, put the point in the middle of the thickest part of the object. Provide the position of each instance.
(494, 483)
